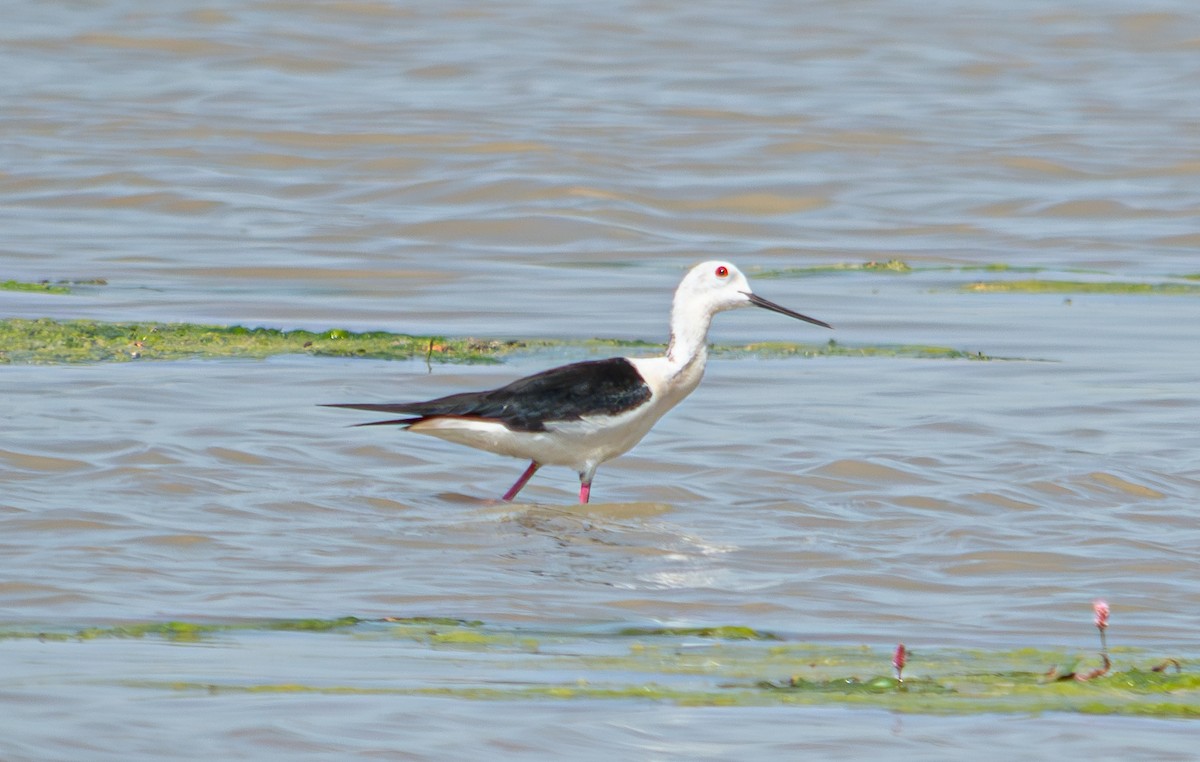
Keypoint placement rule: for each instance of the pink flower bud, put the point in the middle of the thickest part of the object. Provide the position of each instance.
(1101, 609)
(899, 658)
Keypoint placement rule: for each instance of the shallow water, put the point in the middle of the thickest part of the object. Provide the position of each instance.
(542, 169)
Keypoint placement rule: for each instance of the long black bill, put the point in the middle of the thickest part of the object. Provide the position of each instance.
(766, 304)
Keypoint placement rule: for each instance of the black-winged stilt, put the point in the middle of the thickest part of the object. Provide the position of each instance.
(586, 413)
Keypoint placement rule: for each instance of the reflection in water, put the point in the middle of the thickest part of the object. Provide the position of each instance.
(615, 545)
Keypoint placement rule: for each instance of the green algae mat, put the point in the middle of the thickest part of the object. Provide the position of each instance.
(729, 665)
(1092, 282)
(46, 341)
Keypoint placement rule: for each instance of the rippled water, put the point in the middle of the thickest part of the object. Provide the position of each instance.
(549, 169)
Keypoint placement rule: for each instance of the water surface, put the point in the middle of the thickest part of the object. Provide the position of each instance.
(545, 169)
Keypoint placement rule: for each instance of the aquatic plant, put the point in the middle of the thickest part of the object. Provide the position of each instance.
(1100, 618)
(1033, 286)
(899, 658)
(48, 287)
(1100, 609)
(873, 266)
(716, 665)
(42, 287)
(45, 341)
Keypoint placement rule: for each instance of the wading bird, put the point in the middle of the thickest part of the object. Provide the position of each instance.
(587, 413)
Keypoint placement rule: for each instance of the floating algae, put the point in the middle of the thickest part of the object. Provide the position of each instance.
(719, 665)
(46, 341)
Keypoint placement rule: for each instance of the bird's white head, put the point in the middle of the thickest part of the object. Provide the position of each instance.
(709, 288)
(712, 287)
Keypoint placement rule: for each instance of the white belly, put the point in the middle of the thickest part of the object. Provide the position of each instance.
(582, 444)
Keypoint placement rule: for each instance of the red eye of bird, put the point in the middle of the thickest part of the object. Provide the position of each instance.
(722, 271)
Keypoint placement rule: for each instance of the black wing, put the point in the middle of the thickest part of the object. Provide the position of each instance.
(560, 394)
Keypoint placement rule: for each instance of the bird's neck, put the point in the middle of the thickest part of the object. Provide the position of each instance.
(689, 337)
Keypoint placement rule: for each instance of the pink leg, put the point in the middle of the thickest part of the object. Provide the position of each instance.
(525, 477)
(585, 491)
